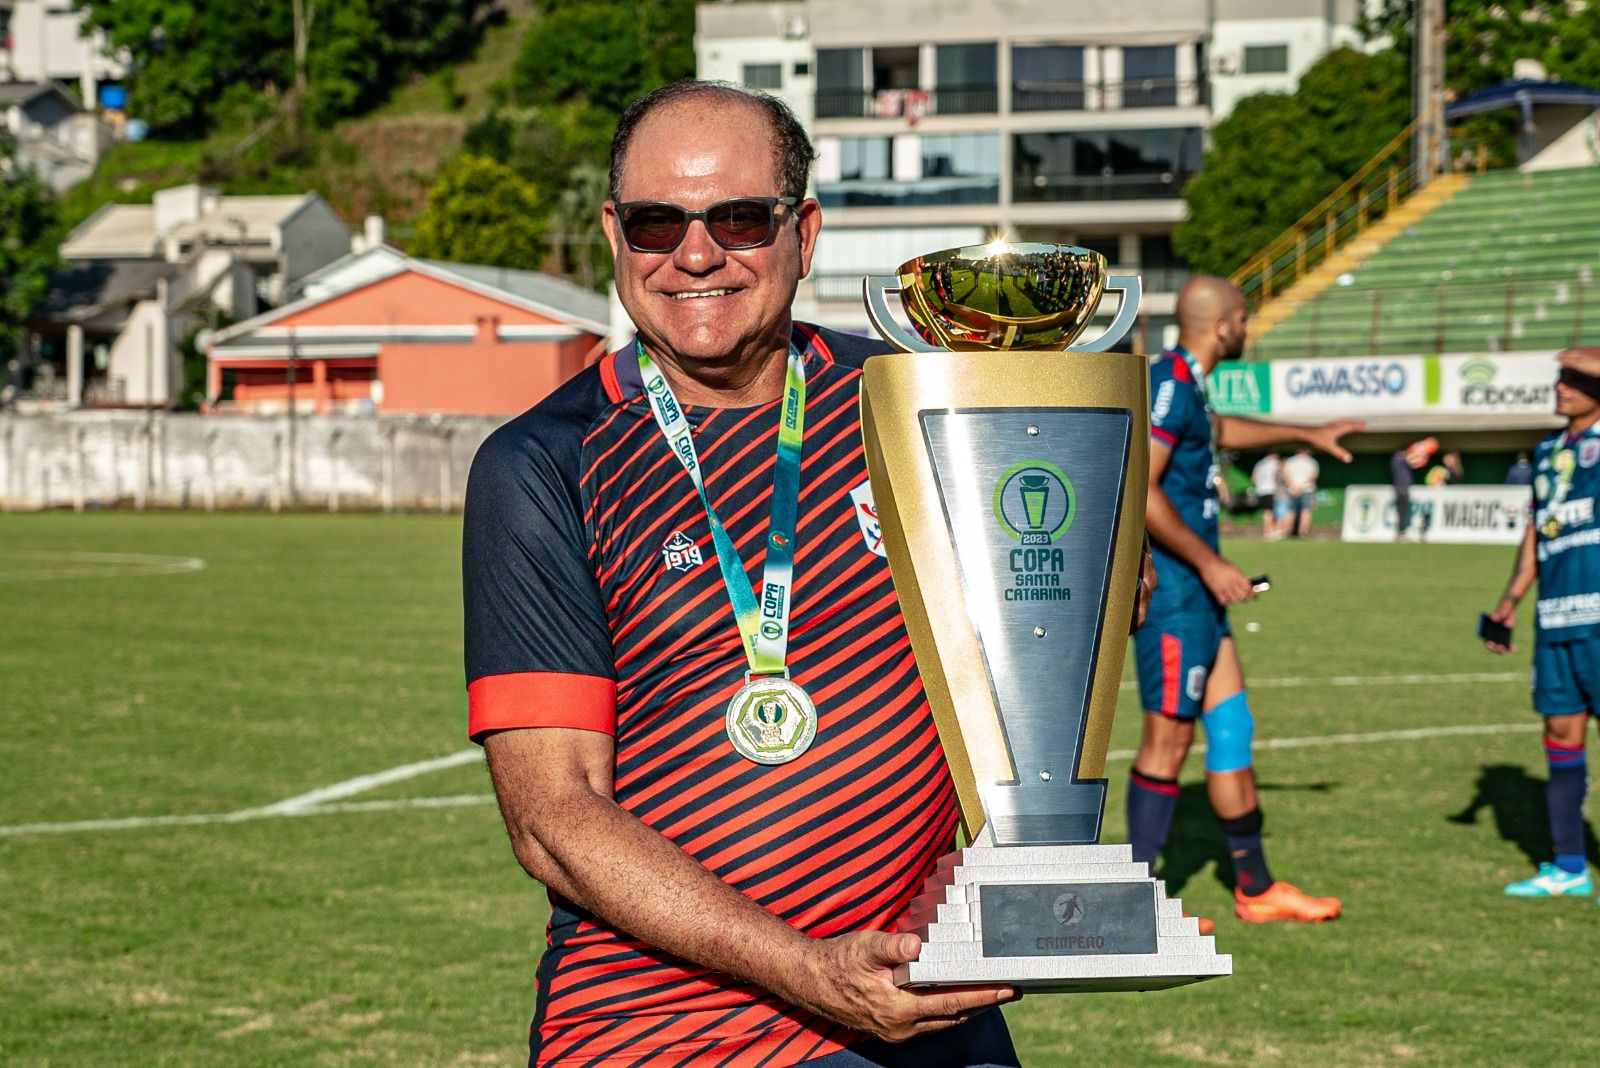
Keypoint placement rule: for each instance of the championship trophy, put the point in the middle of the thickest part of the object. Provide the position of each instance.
(1008, 467)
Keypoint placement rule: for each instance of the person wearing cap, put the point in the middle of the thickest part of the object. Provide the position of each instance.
(1560, 550)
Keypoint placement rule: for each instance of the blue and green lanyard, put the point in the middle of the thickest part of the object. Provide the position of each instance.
(763, 626)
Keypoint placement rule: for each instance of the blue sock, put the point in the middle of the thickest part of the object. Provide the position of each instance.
(1151, 802)
(1563, 795)
(1251, 876)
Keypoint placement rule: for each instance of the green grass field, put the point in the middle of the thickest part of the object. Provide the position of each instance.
(387, 923)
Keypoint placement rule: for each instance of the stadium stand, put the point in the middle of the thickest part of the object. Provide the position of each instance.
(1509, 262)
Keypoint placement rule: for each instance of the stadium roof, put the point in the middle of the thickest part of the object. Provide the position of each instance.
(1523, 93)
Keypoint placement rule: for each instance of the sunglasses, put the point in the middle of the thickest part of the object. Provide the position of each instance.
(737, 223)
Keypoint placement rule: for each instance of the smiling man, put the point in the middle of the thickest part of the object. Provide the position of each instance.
(685, 660)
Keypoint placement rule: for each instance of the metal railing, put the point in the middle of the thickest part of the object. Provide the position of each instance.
(1072, 187)
(1103, 95)
(1534, 312)
(1383, 183)
(1025, 96)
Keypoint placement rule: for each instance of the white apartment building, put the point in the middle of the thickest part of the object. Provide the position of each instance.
(45, 40)
(940, 124)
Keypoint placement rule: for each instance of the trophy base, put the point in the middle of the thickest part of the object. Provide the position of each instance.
(1054, 918)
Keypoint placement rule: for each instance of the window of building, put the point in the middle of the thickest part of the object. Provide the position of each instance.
(1104, 164)
(1162, 269)
(763, 75)
(1266, 59)
(841, 83)
(966, 79)
(802, 68)
(1149, 76)
(1047, 78)
(952, 169)
(896, 68)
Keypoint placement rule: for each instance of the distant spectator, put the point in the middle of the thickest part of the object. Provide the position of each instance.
(1520, 473)
(1300, 473)
(1266, 476)
(1413, 457)
(1449, 471)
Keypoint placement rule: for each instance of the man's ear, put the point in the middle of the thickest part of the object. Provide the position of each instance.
(608, 223)
(808, 224)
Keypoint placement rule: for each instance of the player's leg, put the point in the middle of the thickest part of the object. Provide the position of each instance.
(1558, 696)
(1231, 786)
(1167, 733)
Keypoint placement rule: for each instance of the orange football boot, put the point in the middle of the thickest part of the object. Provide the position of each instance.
(1282, 901)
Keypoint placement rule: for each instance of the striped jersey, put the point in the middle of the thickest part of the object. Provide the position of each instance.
(1180, 419)
(1566, 484)
(593, 599)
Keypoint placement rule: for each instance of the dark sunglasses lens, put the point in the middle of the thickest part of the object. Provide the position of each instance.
(654, 227)
(741, 223)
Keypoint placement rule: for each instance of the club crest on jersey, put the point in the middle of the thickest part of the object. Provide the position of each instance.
(1196, 685)
(866, 511)
(1589, 452)
(679, 553)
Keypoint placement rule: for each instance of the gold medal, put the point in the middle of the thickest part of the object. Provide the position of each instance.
(1550, 527)
(770, 719)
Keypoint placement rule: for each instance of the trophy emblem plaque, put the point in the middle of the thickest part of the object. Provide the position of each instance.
(1009, 473)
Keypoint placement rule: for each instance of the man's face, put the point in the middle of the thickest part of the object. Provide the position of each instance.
(1231, 330)
(1573, 404)
(701, 304)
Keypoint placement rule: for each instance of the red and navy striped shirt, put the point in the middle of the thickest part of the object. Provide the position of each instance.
(594, 600)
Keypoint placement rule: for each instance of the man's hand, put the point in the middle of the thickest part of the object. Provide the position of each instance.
(1226, 582)
(1504, 612)
(1326, 437)
(1585, 358)
(850, 978)
(1147, 586)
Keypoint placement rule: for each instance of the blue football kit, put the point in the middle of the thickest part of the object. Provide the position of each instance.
(1566, 651)
(1177, 645)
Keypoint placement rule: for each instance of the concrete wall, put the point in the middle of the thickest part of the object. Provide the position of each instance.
(106, 459)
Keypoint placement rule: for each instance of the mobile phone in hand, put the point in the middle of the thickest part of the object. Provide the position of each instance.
(1492, 630)
(1260, 583)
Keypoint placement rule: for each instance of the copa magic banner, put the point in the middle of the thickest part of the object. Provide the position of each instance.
(1521, 383)
(1462, 515)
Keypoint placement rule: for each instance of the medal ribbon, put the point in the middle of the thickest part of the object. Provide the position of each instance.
(1565, 463)
(763, 627)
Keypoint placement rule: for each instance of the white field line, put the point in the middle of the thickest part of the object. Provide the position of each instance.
(317, 801)
(1295, 682)
(1408, 735)
(100, 565)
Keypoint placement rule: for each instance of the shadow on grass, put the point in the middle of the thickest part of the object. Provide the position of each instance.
(1516, 801)
(1196, 841)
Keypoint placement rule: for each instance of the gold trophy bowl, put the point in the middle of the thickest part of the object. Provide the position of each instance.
(1002, 295)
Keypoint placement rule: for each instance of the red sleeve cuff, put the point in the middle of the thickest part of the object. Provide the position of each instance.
(540, 699)
(1166, 437)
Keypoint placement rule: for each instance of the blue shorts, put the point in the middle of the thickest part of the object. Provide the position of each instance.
(981, 1042)
(1177, 647)
(1566, 677)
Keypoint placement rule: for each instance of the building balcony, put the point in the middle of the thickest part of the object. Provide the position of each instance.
(907, 103)
(1106, 96)
(1056, 188)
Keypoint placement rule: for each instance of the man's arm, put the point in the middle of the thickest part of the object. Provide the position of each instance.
(555, 791)
(1524, 570)
(1225, 581)
(1235, 432)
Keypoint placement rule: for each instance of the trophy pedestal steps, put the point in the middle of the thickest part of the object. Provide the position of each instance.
(949, 916)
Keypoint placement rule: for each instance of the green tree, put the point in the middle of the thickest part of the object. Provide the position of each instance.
(576, 235)
(1483, 41)
(1275, 156)
(604, 54)
(28, 235)
(186, 52)
(480, 211)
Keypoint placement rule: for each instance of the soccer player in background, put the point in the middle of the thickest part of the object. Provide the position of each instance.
(1188, 665)
(1561, 550)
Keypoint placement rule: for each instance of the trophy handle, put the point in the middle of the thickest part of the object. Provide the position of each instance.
(1132, 290)
(875, 288)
